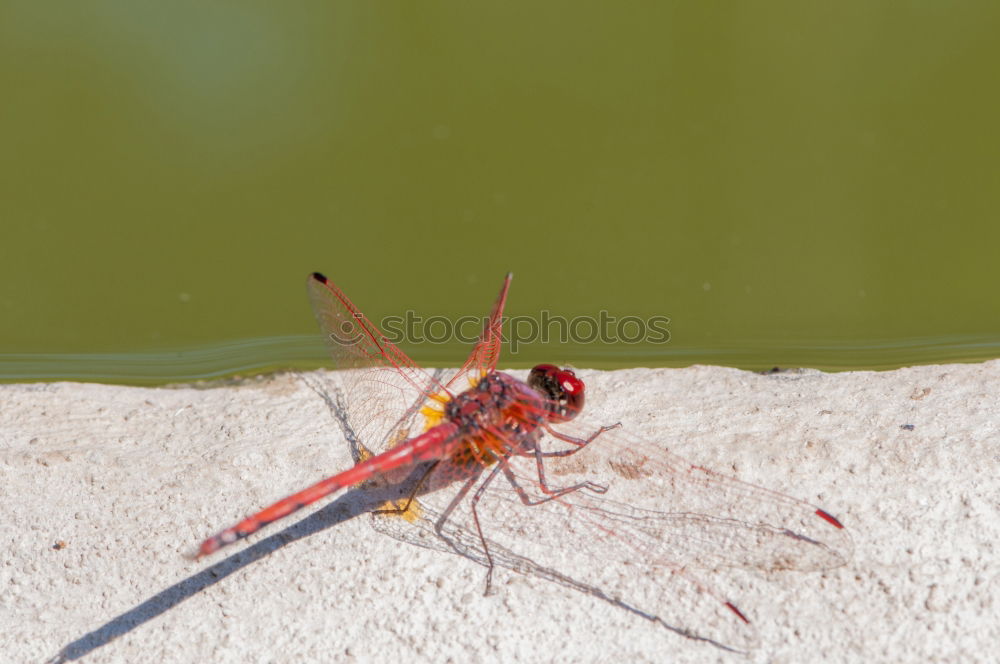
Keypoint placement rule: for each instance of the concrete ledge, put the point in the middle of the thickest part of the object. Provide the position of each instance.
(104, 488)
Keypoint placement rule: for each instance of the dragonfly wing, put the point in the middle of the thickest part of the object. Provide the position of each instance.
(383, 388)
(578, 542)
(486, 352)
(692, 514)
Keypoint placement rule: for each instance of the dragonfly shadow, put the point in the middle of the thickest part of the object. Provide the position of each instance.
(450, 538)
(353, 504)
(350, 505)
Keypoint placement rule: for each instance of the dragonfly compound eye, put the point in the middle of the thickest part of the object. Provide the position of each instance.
(561, 387)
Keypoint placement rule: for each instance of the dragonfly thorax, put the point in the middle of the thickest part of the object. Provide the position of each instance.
(498, 403)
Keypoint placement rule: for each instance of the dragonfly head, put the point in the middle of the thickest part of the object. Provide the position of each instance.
(562, 389)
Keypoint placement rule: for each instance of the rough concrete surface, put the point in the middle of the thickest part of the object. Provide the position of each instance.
(104, 489)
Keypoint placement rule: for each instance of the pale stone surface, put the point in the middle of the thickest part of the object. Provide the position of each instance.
(103, 490)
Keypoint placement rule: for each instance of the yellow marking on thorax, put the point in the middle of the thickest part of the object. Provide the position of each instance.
(433, 410)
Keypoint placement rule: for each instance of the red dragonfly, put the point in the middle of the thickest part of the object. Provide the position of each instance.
(480, 423)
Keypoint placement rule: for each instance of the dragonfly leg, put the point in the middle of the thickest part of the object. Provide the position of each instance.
(459, 497)
(413, 493)
(479, 529)
(555, 493)
(580, 443)
(550, 493)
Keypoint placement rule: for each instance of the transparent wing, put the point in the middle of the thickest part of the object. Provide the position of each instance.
(486, 352)
(701, 514)
(383, 388)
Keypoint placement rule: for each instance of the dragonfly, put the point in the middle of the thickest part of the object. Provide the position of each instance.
(476, 450)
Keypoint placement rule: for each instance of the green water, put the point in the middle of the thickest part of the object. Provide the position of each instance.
(789, 183)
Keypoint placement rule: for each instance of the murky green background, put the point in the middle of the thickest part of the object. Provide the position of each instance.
(790, 183)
